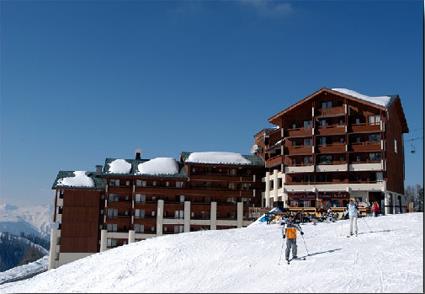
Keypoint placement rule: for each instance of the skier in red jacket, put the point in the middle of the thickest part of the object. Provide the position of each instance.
(375, 208)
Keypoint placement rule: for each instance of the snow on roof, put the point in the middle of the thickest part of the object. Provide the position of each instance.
(217, 157)
(79, 180)
(380, 100)
(159, 166)
(119, 166)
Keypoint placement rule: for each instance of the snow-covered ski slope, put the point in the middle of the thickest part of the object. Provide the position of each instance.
(387, 256)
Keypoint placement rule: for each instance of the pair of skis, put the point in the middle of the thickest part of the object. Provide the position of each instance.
(298, 258)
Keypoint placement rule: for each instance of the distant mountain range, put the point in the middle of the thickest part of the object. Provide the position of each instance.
(31, 220)
(24, 234)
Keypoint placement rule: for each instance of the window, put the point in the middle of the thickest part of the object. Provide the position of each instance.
(374, 137)
(379, 176)
(322, 140)
(232, 186)
(374, 119)
(178, 229)
(114, 183)
(179, 184)
(152, 229)
(245, 186)
(307, 142)
(112, 212)
(127, 183)
(358, 140)
(357, 121)
(181, 198)
(139, 213)
(294, 126)
(375, 156)
(140, 198)
(113, 198)
(308, 160)
(341, 140)
(233, 172)
(154, 183)
(340, 122)
(341, 158)
(326, 104)
(307, 124)
(112, 243)
(358, 158)
(325, 159)
(111, 227)
(153, 212)
(139, 228)
(167, 184)
(179, 214)
(138, 183)
(395, 146)
(323, 123)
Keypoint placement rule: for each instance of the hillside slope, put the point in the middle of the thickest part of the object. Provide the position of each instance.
(386, 256)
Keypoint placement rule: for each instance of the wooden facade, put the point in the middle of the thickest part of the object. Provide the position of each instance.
(331, 146)
(123, 208)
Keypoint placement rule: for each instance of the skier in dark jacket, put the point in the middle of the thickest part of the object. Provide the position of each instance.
(289, 231)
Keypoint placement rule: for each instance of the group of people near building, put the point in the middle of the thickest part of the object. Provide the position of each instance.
(290, 227)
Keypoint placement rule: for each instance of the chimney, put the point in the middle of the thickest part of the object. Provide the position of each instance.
(99, 169)
(138, 154)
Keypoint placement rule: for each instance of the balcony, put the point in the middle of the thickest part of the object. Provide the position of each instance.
(365, 128)
(332, 166)
(274, 161)
(341, 186)
(299, 150)
(331, 130)
(299, 132)
(332, 148)
(333, 111)
(367, 165)
(299, 169)
(365, 146)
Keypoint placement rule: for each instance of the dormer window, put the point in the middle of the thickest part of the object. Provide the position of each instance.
(326, 104)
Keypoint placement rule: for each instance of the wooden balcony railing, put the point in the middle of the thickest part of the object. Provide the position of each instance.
(365, 127)
(299, 132)
(331, 130)
(365, 146)
(333, 111)
(331, 148)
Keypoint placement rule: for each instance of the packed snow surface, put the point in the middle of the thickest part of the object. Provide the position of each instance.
(26, 270)
(119, 166)
(79, 180)
(380, 100)
(159, 166)
(386, 256)
(217, 157)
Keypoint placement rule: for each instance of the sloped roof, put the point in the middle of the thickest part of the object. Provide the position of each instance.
(135, 170)
(99, 182)
(380, 102)
(254, 160)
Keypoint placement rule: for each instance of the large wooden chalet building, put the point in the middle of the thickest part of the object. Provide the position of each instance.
(333, 145)
(127, 200)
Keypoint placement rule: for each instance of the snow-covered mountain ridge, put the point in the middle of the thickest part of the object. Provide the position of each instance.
(387, 256)
(27, 219)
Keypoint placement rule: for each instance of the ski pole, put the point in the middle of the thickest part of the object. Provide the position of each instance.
(281, 250)
(305, 245)
(367, 224)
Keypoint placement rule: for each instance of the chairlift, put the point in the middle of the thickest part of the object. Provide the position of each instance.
(412, 150)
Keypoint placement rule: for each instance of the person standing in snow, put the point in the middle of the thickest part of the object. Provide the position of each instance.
(353, 214)
(375, 208)
(289, 231)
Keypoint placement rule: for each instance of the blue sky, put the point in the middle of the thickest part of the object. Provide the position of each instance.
(81, 81)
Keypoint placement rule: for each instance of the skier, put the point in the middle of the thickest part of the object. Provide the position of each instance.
(352, 214)
(375, 208)
(290, 230)
(330, 215)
